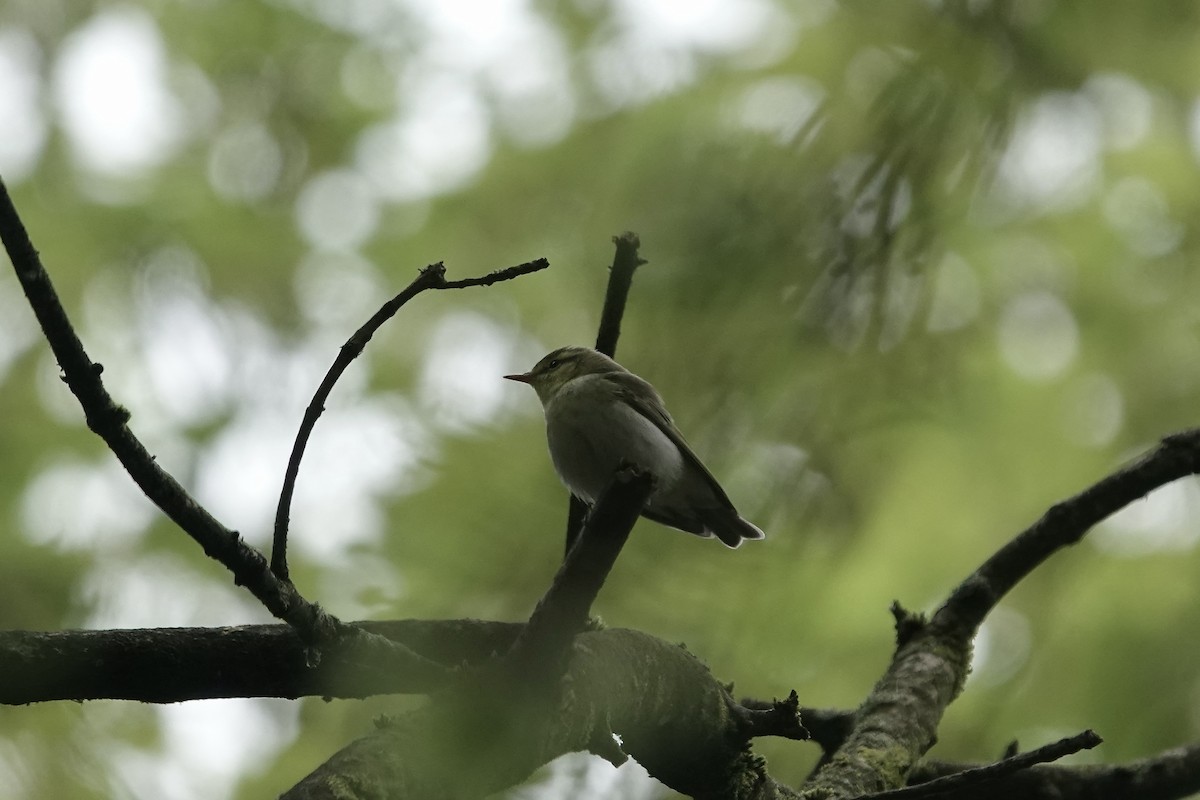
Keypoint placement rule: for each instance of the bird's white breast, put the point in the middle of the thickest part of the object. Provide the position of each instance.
(591, 431)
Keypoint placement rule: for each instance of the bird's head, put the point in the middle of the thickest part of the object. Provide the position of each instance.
(564, 365)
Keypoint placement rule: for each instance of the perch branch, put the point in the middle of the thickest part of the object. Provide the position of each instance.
(430, 277)
(620, 278)
(563, 610)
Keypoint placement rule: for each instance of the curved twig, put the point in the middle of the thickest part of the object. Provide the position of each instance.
(430, 277)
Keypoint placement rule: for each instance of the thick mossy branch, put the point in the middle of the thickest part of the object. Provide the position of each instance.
(898, 722)
(670, 712)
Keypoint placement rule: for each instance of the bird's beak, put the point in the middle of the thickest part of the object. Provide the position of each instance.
(524, 377)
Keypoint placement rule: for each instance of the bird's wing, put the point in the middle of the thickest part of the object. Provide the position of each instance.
(639, 395)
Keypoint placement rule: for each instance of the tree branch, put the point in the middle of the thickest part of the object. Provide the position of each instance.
(177, 664)
(172, 665)
(430, 277)
(1065, 523)
(110, 422)
(898, 721)
(970, 779)
(563, 610)
(670, 712)
(781, 718)
(1169, 775)
(828, 727)
(620, 279)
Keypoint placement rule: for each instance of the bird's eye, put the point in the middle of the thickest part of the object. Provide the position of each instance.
(553, 364)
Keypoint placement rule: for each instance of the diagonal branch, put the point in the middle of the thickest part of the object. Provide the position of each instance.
(522, 698)
(898, 721)
(430, 277)
(1064, 524)
(970, 779)
(1168, 775)
(563, 611)
(110, 422)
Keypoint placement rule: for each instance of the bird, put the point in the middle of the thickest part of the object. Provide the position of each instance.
(600, 416)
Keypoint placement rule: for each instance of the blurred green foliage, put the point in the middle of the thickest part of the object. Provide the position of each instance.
(917, 270)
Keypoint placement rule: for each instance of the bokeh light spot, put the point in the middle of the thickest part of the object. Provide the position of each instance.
(1039, 337)
(111, 88)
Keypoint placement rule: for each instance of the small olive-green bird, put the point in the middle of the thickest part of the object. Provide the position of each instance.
(599, 415)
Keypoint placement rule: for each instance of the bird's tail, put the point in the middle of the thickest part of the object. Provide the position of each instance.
(730, 528)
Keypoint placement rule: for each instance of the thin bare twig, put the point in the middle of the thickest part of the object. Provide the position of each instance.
(430, 277)
(971, 778)
(506, 274)
(1167, 775)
